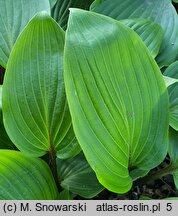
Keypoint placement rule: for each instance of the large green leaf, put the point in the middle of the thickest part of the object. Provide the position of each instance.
(60, 12)
(150, 32)
(14, 15)
(35, 110)
(161, 12)
(117, 98)
(172, 71)
(25, 178)
(5, 142)
(76, 175)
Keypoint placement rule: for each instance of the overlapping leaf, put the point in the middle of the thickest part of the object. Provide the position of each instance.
(69, 146)
(76, 175)
(161, 12)
(25, 178)
(35, 109)
(65, 195)
(150, 32)
(175, 176)
(14, 15)
(173, 152)
(5, 142)
(172, 71)
(173, 145)
(169, 81)
(60, 12)
(117, 98)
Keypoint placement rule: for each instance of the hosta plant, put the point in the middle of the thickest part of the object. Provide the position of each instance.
(89, 100)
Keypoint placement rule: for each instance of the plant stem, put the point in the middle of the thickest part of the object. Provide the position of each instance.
(53, 166)
(156, 175)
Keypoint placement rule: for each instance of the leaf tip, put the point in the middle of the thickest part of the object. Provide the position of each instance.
(73, 10)
(42, 14)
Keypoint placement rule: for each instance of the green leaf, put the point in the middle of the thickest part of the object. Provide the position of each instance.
(150, 32)
(5, 142)
(35, 110)
(69, 146)
(175, 177)
(60, 12)
(117, 98)
(25, 178)
(176, 1)
(65, 195)
(138, 173)
(163, 13)
(145, 198)
(172, 72)
(173, 153)
(14, 16)
(171, 198)
(173, 145)
(169, 81)
(76, 175)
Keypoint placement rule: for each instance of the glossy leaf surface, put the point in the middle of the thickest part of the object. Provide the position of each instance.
(25, 178)
(119, 122)
(14, 16)
(76, 175)
(35, 109)
(162, 12)
(150, 32)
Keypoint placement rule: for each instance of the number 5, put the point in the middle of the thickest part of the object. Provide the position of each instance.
(169, 207)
